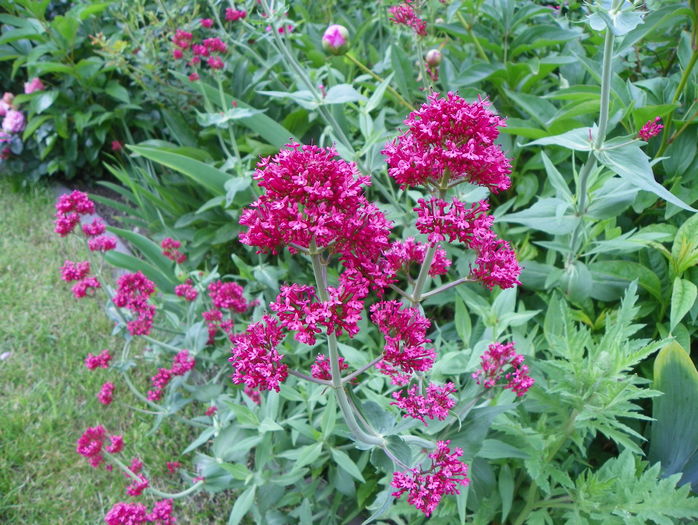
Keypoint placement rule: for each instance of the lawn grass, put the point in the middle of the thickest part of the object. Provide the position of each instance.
(48, 397)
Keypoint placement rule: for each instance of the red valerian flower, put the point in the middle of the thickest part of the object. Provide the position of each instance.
(71, 271)
(256, 361)
(106, 394)
(404, 14)
(425, 488)
(170, 249)
(98, 361)
(650, 129)
(404, 330)
(231, 15)
(501, 363)
(435, 405)
(449, 137)
(321, 368)
(402, 254)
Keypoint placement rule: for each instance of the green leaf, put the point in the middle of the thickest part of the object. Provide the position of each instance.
(684, 250)
(148, 248)
(245, 416)
(207, 176)
(345, 463)
(496, 449)
(557, 181)
(576, 139)
(329, 417)
(242, 505)
(237, 470)
(43, 101)
(549, 215)
(222, 119)
(629, 271)
(119, 92)
(306, 455)
(631, 163)
(506, 490)
(683, 296)
(674, 435)
(341, 94)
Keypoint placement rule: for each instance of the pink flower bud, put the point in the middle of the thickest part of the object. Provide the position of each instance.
(33, 85)
(433, 57)
(336, 39)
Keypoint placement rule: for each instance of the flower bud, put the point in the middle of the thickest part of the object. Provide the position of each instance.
(336, 39)
(433, 57)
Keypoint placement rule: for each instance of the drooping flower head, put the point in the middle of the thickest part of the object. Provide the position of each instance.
(449, 137)
(500, 364)
(404, 14)
(256, 361)
(405, 350)
(650, 129)
(425, 488)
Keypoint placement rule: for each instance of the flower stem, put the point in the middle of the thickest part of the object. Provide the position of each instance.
(423, 275)
(670, 117)
(362, 370)
(309, 378)
(469, 28)
(446, 287)
(390, 88)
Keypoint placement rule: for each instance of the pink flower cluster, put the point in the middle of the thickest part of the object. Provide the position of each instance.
(233, 15)
(298, 309)
(86, 285)
(228, 296)
(425, 488)
(170, 249)
(132, 293)
(402, 254)
(106, 394)
(69, 208)
(452, 139)
(181, 364)
(137, 514)
(35, 84)
(208, 51)
(496, 263)
(92, 443)
(94, 228)
(101, 360)
(186, 290)
(216, 322)
(256, 361)
(435, 405)
(314, 201)
(404, 14)
(13, 122)
(405, 350)
(321, 368)
(137, 486)
(501, 363)
(651, 129)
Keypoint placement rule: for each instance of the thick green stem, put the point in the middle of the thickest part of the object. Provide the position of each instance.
(469, 28)
(423, 274)
(337, 384)
(677, 95)
(598, 142)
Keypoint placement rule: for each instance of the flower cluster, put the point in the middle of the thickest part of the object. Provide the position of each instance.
(69, 208)
(102, 243)
(170, 249)
(86, 285)
(137, 486)
(496, 262)
(501, 363)
(404, 14)
(186, 290)
(435, 405)
(208, 51)
(181, 364)
(650, 129)
(233, 15)
(402, 254)
(299, 310)
(137, 514)
(425, 488)
(106, 394)
(92, 443)
(405, 350)
(449, 138)
(34, 85)
(101, 360)
(94, 228)
(321, 368)
(256, 361)
(132, 293)
(228, 296)
(215, 322)
(314, 201)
